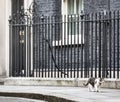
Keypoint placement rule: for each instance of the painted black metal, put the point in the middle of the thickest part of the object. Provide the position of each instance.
(64, 46)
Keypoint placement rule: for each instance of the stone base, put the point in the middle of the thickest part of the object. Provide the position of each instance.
(70, 82)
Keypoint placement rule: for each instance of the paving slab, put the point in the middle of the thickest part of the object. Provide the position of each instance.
(75, 94)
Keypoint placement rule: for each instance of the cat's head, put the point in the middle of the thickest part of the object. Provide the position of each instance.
(101, 80)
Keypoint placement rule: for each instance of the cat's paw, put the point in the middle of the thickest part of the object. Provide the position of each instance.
(97, 91)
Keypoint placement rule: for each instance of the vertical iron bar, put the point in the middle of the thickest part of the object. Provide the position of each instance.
(48, 34)
(29, 34)
(22, 50)
(77, 42)
(62, 48)
(25, 70)
(30, 50)
(54, 22)
(88, 44)
(118, 44)
(114, 24)
(100, 20)
(95, 44)
(34, 52)
(37, 43)
(44, 52)
(82, 36)
(64, 40)
(26, 60)
(23, 43)
(16, 73)
(13, 53)
(10, 48)
(13, 50)
(20, 56)
(39, 51)
(71, 43)
(59, 46)
(17, 49)
(45, 49)
(92, 24)
(86, 48)
(104, 46)
(12, 42)
(17, 33)
(110, 44)
(68, 40)
(42, 49)
(107, 45)
(52, 39)
(74, 45)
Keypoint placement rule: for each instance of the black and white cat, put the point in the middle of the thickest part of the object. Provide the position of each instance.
(94, 84)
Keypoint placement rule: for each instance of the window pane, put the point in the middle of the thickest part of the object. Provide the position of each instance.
(74, 7)
(70, 6)
(16, 5)
(79, 7)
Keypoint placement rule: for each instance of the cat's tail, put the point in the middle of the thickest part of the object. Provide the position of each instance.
(85, 84)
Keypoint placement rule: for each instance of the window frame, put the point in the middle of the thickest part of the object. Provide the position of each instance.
(75, 38)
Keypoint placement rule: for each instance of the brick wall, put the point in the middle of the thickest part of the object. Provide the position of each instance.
(101, 5)
(114, 5)
(48, 7)
(95, 5)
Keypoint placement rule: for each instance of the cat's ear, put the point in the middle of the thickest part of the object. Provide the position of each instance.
(101, 79)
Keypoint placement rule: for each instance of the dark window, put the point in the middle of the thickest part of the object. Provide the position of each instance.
(17, 5)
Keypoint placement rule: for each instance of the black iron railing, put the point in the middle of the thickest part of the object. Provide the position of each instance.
(65, 46)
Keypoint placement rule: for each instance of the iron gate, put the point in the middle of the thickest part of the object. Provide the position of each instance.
(65, 46)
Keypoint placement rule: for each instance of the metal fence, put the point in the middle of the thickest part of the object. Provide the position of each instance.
(65, 46)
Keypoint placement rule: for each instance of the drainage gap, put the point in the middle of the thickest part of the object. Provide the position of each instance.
(1, 83)
(47, 98)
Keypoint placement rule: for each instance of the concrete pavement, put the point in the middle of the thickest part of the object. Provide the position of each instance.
(75, 94)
